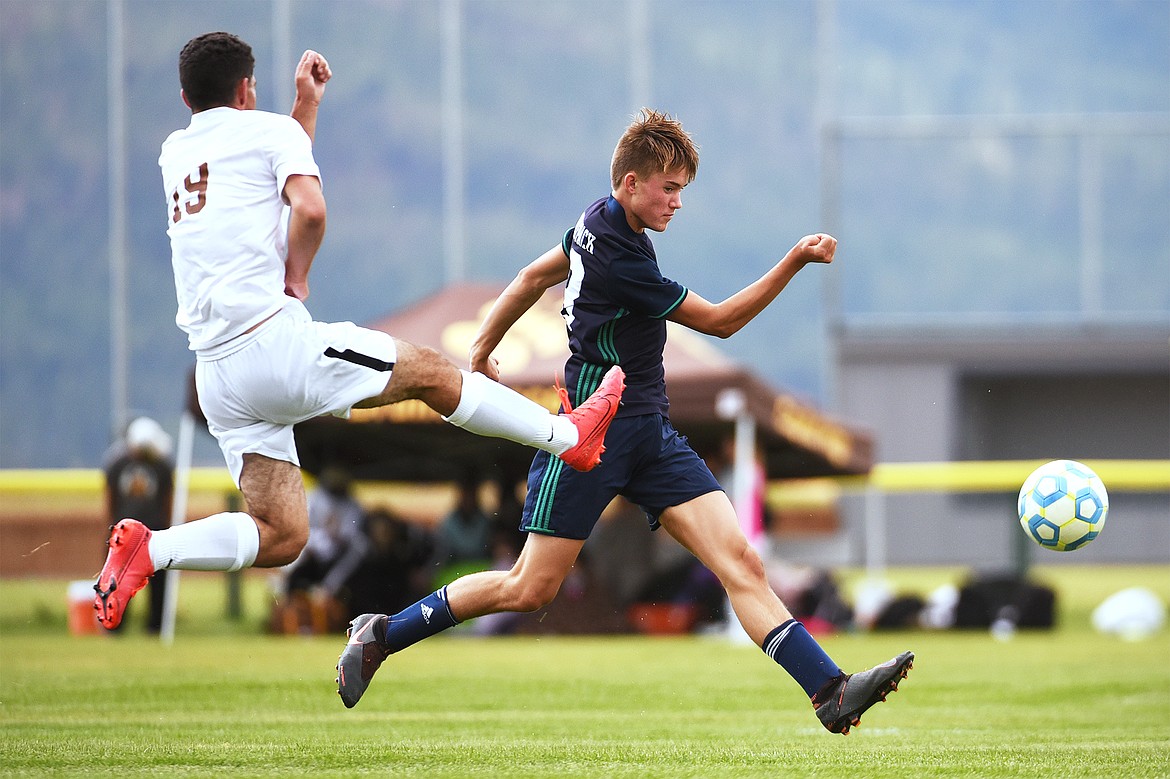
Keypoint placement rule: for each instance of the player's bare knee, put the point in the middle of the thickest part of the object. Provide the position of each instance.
(293, 544)
(431, 359)
(281, 539)
(440, 377)
(280, 552)
(752, 564)
(746, 571)
(421, 373)
(425, 367)
(531, 596)
(528, 602)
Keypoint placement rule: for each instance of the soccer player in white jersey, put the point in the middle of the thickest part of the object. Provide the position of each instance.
(262, 363)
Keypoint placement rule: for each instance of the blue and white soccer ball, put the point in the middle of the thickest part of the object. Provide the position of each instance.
(1063, 505)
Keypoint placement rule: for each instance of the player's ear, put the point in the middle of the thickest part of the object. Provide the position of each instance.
(242, 88)
(630, 181)
(183, 95)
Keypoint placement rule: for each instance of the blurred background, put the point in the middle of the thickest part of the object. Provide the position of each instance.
(997, 174)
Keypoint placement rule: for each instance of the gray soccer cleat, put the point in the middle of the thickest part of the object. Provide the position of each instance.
(842, 701)
(362, 656)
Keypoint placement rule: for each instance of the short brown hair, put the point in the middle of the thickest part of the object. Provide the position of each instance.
(654, 142)
(210, 67)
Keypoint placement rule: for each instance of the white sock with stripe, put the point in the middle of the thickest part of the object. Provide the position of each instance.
(488, 408)
(222, 542)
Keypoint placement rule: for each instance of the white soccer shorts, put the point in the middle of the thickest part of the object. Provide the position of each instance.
(256, 387)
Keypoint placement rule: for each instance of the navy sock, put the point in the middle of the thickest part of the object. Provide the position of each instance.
(801, 656)
(424, 619)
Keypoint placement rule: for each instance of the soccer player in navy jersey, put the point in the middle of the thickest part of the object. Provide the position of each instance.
(616, 305)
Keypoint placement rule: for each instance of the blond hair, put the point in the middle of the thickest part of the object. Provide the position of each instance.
(654, 143)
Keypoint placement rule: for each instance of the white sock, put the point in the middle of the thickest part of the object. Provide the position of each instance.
(221, 542)
(489, 408)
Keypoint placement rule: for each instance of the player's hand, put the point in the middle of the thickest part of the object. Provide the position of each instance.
(816, 248)
(489, 366)
(312, 74)
(298, 290)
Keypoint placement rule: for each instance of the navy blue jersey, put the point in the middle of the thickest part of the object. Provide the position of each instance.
(616, 303)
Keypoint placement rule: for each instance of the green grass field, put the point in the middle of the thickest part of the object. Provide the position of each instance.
(225, 700)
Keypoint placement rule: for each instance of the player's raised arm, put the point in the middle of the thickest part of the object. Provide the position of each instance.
(521, 294)
(727, 318)
(311, 76)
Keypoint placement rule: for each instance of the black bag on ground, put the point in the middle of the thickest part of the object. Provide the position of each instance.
(984, 599)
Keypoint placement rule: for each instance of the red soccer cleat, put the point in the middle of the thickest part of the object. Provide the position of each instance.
(128, 566)
(592, 420)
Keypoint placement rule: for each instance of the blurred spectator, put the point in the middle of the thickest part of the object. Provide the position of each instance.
(626, 557)
(336, 547)
(507, 537)
(682, 581)
(465, 534)
(140, 484)
(394, 571)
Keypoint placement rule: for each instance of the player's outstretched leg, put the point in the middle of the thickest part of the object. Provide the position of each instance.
(488, 408)
(592, 419)
(128, 566)
(842, 701)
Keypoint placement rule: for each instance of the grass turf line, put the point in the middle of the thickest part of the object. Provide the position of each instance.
(1066, 703)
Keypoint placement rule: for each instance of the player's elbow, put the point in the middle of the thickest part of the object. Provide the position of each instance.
(530, 281)
(545, 272)
(720, 328)
(311, 213)
(304, 196)
(724, 330)
(708, 319)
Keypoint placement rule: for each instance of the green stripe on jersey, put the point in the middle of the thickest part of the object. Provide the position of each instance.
(588, 381)
(605, 342)
(542, 507)
(673, 305)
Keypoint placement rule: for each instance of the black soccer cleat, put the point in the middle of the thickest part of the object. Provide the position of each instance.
(842, 701)
(362, 656)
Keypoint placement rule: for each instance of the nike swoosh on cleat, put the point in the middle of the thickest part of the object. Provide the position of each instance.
(355, 638)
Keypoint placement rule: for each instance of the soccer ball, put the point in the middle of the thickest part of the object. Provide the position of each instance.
(1063, 505)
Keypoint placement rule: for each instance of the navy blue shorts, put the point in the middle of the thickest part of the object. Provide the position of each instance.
(646, 461)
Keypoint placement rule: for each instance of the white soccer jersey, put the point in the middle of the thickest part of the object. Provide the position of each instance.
(223, 177)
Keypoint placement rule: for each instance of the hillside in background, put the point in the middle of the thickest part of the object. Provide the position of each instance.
(966, 225)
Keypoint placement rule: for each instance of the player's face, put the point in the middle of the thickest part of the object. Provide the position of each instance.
(653, 201)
